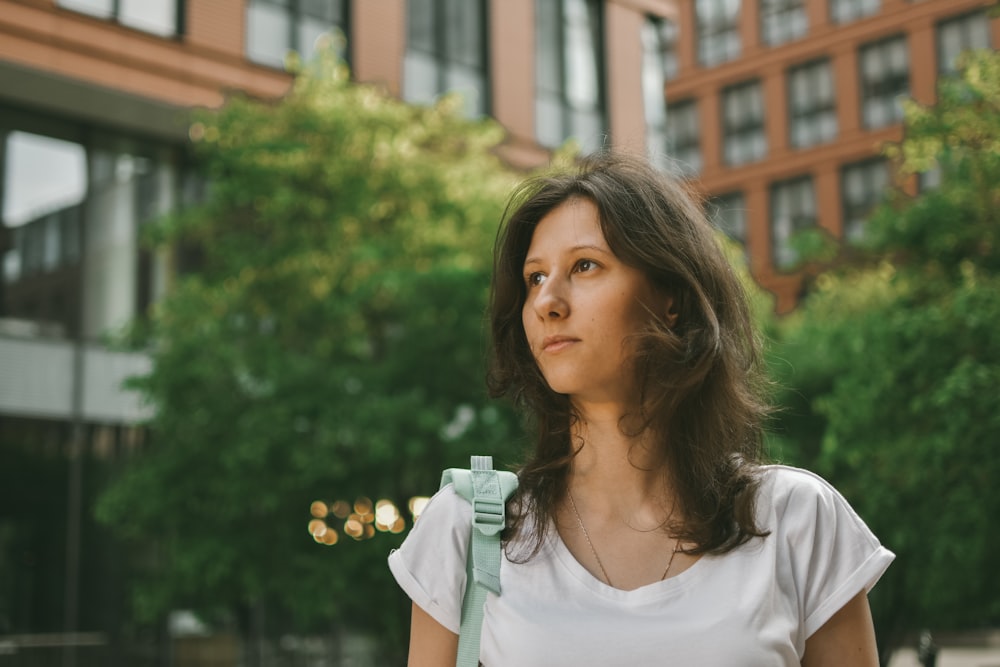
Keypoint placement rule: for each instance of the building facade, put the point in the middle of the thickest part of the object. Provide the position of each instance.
(777, 109)
(95, 97)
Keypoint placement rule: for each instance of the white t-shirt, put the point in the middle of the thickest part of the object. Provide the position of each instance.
(754, 606)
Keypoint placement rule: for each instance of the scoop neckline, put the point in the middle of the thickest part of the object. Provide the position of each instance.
(654, 590)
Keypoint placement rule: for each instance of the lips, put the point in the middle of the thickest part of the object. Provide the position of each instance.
(552, 344)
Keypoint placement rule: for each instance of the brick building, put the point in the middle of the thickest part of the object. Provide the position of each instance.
(778, 109)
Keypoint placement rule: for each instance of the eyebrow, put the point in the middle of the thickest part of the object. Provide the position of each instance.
(576, 248)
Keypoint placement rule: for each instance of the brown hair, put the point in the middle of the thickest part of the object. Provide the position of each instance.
(701, 380)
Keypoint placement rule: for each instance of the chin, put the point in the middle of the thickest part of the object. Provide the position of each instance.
(559, 387)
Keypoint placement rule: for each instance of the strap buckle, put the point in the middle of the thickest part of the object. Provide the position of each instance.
(488, 516)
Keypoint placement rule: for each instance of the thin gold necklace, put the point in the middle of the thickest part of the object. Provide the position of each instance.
(586, 535)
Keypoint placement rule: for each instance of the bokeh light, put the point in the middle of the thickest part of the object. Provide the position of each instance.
(417, 505)
(317, 527)
(340, 509)
(319, 509)
(362, 519)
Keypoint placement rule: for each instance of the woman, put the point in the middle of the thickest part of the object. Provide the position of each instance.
(645, 529)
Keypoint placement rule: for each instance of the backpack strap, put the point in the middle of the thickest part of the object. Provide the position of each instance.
(488, 491)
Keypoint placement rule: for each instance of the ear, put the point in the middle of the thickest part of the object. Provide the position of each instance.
(670, 312)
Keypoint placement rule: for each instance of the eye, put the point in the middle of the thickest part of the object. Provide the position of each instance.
(585, 265)
(534, 279)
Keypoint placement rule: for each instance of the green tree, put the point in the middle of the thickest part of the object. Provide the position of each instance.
(891, 368)
(328, 347)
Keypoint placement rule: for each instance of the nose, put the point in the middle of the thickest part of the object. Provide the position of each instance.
(550, 300)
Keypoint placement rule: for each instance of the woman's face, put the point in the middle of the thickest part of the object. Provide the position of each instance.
(582, 305)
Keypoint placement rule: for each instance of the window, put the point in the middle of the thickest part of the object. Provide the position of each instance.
(782, 21)
(844, 11)
(159, 17)
(275, 27)
(683, 146)
(569, 52)
(46, 181)
(660, 40)
(728, 213)
(743, 124)
(68, 204)
(971, 31)
(793, 209)
(653, 99)
(930, 179)
(884, 79)
(446, 45)
(862, 186)
(718, 31)
(812, 109)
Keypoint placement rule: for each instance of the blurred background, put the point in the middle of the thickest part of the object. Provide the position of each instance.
(245, 252)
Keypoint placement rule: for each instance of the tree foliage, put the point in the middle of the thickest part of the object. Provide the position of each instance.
(891, 367)
(327, 348)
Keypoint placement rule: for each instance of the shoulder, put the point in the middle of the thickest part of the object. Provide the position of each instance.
(445, 511)
(823, 548)
(440, 533)
(786, 489)
(811, 518)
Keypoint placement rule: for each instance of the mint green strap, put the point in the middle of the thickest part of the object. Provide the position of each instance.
(488, 491)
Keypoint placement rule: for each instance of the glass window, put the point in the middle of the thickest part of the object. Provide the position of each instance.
(728, 213)
(657, 61)
(100, 8)
(71, 215)
(930, 179)
(45, 185)
(718, 31)
(275, 27)
(569, 52)
(793, 209)
(446, 51)
(812, 109)
(971, 31)
(159, 17)
(782, 21)
(884, 80)
(683, 138)
(844, 11)
(743, 138)
(862, 187)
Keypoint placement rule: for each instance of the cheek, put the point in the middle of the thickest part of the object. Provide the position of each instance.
(527, 322)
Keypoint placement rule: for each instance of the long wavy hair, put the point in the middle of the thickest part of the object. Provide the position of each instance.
(701, 380)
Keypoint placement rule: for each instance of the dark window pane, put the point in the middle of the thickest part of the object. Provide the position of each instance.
(568, 59)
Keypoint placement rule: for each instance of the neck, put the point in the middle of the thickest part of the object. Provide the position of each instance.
(617, 473)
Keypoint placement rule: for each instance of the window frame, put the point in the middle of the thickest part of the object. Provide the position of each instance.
(777, 21)
(444, 60)
(886, 86)
(679, 151)
(734, 200)
(965, 20)
(715, 29)
(293, 11)
(814, 113)
(857, 10)
(567, 109)
(852, 227)
(745, 130)
(141, 168)
(114, 16)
